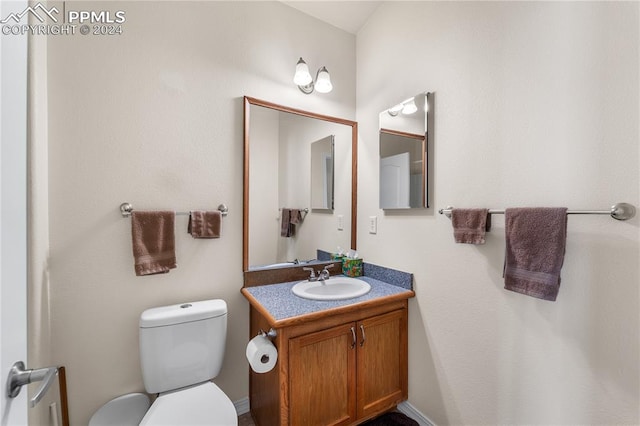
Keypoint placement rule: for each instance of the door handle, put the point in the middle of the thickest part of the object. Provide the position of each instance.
(19, 376)
(363, 337)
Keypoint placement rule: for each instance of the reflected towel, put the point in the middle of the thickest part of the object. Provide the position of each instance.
(535, 246)
(470, 225)
(153, 241)
(289, 218)
(204, 224)
(286, 229)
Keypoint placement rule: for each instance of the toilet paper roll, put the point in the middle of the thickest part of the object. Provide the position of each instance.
(261, 354)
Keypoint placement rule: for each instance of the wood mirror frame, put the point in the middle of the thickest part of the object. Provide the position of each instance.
(248, 101)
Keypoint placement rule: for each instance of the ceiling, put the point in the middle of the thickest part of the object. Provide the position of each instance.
(349, 16)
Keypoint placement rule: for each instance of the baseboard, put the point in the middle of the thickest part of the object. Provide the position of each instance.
(242, 405)
(411, 411)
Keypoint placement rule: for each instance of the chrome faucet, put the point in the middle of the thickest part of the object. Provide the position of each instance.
(324, 274)
(312, 277)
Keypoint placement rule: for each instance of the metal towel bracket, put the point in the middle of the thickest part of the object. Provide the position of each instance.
(619, 211)
(127, 208)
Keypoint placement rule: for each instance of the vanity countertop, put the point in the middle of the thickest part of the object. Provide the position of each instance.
(281, 307)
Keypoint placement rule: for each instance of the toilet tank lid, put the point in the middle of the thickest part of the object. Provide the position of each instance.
(183, 312)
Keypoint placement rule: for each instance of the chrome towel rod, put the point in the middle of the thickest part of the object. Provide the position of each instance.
(305, 211)
(619, 211)
(127, 208)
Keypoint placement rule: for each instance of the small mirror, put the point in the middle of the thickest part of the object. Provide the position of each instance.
(322, 152)
(404, 137)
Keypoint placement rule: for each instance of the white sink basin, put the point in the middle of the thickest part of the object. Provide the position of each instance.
(335, 288)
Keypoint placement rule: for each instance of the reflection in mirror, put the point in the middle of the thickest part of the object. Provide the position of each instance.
(404, 137)
(401, 170)
(322, 173)
(295, 160)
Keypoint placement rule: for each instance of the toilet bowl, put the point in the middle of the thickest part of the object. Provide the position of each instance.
(125, 410)
(181, 350)
(203, 404)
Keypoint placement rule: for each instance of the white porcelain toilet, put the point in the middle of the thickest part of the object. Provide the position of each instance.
(181, 349)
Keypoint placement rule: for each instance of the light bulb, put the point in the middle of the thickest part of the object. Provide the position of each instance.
(302, 76)
(409, 107)
(394, 110)
(323, 81)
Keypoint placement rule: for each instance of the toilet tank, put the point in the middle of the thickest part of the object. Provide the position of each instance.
(182, 345)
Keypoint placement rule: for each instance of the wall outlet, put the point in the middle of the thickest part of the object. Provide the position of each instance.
(340, 222)
(373, 224)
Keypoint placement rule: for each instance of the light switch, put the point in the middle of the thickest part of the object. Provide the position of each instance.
(373, 224)
(340, 222)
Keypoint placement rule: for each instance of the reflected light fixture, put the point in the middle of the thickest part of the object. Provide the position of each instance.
(395, 110)
(304, 81)
(407, 107)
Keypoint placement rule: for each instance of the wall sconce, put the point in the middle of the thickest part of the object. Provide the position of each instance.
(407, 107)
(304, 81)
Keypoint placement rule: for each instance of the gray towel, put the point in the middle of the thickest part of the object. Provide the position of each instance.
(535, 246)
(204, 224)
(153, 241)
(286, 228)
(470, 225)
(290, 218)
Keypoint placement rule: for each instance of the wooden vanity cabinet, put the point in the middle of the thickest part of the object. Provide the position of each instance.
(335, 370)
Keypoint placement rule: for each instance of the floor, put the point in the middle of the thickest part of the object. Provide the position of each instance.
(245, 420)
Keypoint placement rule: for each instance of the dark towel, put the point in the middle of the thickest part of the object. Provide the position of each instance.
(536, 240)
(286, 229)
(470, 225)
(153, 242)
(296, 216)
(204, 224)
(290, 218)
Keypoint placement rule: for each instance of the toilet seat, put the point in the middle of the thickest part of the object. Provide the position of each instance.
(203, 404)
(125, 410)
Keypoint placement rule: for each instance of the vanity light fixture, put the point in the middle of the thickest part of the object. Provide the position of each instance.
(304, 81)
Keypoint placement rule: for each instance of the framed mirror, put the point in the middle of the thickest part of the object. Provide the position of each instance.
(404, 141)
(300, 184)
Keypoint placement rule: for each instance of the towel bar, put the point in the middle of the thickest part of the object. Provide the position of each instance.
(127, 208)
(619, 211)
(305, 211)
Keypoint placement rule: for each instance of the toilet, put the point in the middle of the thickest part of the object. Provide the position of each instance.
(181, 350)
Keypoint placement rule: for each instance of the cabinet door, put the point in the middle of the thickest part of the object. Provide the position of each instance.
(382, 362)
(322, 377)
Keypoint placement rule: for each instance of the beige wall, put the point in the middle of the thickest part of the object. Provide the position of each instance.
(536, 104)
(154, 117)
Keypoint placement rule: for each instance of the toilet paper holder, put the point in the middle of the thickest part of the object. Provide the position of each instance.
(271, 334)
